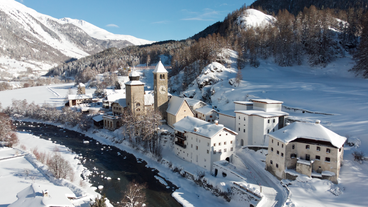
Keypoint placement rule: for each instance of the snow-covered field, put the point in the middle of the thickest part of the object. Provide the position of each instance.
(332, 90)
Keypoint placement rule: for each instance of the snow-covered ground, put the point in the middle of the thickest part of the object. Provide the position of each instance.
(331, 90)
(19, 169)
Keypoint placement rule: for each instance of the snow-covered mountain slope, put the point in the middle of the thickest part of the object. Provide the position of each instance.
(26, 36)
(102, 34)
(254, 18)
(330, 94)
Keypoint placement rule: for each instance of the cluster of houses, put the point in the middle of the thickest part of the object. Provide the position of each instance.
(204, 136)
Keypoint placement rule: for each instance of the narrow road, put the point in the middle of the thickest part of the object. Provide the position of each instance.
(276, 194)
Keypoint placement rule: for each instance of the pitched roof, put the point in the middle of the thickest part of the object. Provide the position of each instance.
(206, 129)
(263, 114)
(81, 96)
(160, 68)
(205, 110)
(308, 131)
(192, 102)
(174, 105)
(33, 196)
(267, 101)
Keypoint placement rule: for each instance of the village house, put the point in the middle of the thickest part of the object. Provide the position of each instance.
(40, 195)
(203, 143)
(195, 104)
(307, 148)
(206, 113)
(76, 100)
(252, 120)
(178, 108)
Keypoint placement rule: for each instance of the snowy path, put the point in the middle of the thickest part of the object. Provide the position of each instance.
(276, 195)
(53, 91)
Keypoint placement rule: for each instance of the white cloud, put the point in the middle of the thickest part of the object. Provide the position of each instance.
(206, 15)
(112, 25)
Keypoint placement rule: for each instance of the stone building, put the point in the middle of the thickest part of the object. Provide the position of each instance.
(160, 90)
(307, 148)
(135, 94)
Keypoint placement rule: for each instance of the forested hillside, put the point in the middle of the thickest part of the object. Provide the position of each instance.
(313, 36)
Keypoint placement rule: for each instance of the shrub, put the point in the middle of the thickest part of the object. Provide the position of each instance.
(358, 156)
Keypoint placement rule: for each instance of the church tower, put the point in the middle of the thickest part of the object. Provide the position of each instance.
(160, 89)
(135, 94)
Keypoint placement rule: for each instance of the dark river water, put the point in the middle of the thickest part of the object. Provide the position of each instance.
(113, 162)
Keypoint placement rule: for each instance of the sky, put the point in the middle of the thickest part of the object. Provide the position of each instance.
(146, 19)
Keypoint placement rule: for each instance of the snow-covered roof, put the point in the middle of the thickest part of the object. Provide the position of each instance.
(243, 102)
(263, 114)
(204, 128)
(174, 105)
(81, 96)
(82, 85)
(33, 196)
(192, 101)
(119, 94)
(134, 82)
(310, 131)
(134, 73)
(227, 113)
(267, 101)
(121, 102)
(149, 98)
(205, 110)
(160, 68)
(98, 118)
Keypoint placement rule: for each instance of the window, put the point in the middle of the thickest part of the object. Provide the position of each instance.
(220, 135)
(268, 131)
(273, 130)
(271, 149)
(293, 155)
(239, 117)
(244, 130)
(232, 149)
(138, 104)
(219, 150)
(225, 150)
(208, 144)
(219, 143)
(282, 145)
(138, 110)
(244, 118)
(272, 141)
(196, 147)
(318, 157)
(273, 120)
(191, 145)
(282, 154)
(271, 162)
(210, 116)
(277, 152)
(307, 157)
(277, 165)
(214, 151)
(293, 146)
(327, 159)
(231, 142)
(224, 143)
(214, 144)
(268, 121)
(239, 129)
(340, 150)
(278, 144)
(328, 150)
(208, 152)
(307, 146)
(318, 149)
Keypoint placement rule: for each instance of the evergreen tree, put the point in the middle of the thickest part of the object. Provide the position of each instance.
(361, 56)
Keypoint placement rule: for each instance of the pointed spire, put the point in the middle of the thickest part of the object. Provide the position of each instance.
(160, 68)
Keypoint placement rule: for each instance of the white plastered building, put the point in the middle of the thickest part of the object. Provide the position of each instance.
(252, 120)
(203, 143)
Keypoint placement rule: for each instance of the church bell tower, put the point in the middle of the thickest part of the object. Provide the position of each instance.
(160, 89)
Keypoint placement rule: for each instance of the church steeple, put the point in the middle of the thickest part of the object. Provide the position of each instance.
(160, 89)
(134, 90)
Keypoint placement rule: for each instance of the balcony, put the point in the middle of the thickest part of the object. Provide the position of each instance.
(181, 144)
(180, 136)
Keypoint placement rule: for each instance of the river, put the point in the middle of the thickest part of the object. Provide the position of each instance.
(110, 160)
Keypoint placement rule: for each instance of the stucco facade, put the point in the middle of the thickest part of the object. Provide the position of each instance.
(315, 157)
(160, 78)
(177, 110)
(202, 150)
(135, 95)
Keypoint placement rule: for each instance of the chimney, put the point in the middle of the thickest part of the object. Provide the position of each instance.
(45, 193)
(216, 122)
(195, 129)
(318, 121)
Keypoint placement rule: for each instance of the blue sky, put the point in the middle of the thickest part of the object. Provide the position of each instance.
(152, 20)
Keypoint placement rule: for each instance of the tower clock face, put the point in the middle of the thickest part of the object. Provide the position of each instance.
(162, 89)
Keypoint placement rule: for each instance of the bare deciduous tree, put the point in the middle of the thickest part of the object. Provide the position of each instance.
(135, 195)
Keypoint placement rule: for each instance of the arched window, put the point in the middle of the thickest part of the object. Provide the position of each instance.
(138, 109)
(138, 104)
